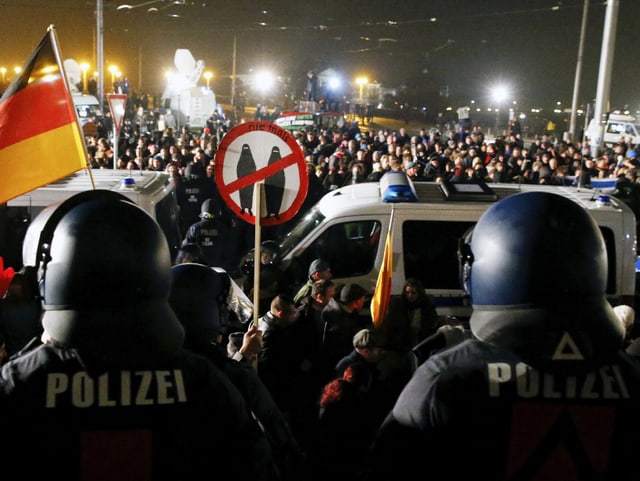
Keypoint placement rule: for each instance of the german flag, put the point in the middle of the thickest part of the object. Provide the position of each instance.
(40, 138)
(382, 291)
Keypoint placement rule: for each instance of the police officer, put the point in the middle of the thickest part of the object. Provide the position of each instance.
(544, 390)
(198, 297)
(111, 393)
(212, 235)
(191, 193)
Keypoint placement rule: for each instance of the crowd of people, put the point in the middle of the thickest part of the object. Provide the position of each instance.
(353, 154)
(135, 364)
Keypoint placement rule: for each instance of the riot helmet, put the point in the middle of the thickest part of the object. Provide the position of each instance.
(194, 170)
(104, 276)
(208, 209)
(198, 295)
(537, 275)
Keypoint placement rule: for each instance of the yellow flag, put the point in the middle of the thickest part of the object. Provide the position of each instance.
(40, 138)
(382, 292)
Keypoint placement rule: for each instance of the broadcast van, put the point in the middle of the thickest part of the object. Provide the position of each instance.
(88, 109)
(618, 127)
(153, 191)
(348, 227)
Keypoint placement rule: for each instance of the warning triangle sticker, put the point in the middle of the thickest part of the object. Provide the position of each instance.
(567, 350)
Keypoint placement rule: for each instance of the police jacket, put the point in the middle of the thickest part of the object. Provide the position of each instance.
(180, 419)
(287, 452)
(212, 236)
(477, 411)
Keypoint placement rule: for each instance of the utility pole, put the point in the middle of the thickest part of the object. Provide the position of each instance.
(233, 74)
(604, 74)
(576, 84)
(100, 48)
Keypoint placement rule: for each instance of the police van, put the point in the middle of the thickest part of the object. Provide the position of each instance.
(348, 227)
(153, 191)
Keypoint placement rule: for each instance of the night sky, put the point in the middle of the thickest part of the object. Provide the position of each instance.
(461, 47)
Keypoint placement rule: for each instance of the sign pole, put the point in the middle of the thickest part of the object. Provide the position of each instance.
(257, 206)
(258, 188)
(116, 138)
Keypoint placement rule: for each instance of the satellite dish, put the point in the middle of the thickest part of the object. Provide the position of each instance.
(73, 72)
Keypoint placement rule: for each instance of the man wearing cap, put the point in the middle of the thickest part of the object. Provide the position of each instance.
(319, 269)
(413, 171)
(366, 349)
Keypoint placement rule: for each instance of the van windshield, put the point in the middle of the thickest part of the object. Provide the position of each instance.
(310, 221)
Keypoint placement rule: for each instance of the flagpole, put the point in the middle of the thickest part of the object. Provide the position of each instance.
(56, 50)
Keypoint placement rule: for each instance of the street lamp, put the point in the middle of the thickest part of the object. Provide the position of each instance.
(207, 76)
(499, 93)
(361, 81)
(113, 69)
(3, 71)
(264, 81)
(84, 67)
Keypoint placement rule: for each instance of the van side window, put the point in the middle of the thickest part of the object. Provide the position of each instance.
(615, 128)
(431, 252)
(350, 248)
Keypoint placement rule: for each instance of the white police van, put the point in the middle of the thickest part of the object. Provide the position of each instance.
(153, 191)
(348, 226)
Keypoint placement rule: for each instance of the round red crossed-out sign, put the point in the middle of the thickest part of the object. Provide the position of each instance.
(255, 152)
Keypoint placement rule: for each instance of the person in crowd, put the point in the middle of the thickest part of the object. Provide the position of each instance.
(346, 426)
(322, 293)
(285, 364)
(193, 298)
(367, 348)
(342, 321)
(111, 393)
(272, 280)
(545, 389)
(20, 311)
(312, 86)
(627, 316)
(318, 269)
(311, 327)
(411, 317)
(389, 372)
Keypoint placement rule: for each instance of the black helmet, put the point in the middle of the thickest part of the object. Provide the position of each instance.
(194, 170)
(538, 280)
(197, 296)
(104, 274)
(208, 209)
